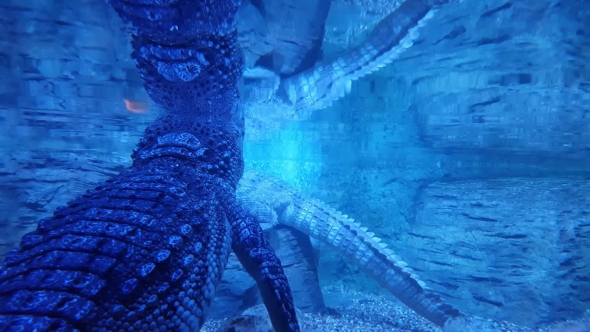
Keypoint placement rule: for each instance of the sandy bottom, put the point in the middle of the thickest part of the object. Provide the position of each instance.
(358, 312)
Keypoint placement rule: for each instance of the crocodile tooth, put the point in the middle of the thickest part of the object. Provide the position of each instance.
(364, 229)
(376, 239)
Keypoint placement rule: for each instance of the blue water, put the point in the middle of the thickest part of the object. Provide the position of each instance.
(469, 155)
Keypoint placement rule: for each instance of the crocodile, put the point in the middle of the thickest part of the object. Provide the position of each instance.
(296, 94)
(274, 200)
(145, 249)
(276, 203)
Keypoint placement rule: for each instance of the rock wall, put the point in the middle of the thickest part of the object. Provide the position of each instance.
(507, 245)
(63, 123)
(503, 76)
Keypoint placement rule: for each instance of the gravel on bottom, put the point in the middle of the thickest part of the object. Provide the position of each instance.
(352, 311)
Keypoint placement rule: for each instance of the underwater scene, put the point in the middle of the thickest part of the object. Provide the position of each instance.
(295, 165)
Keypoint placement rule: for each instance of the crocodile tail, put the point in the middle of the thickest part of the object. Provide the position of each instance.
(370, 254)
(321, 85)
(355, 243)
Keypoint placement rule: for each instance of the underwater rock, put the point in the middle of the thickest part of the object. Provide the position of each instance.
(479, 80)
(512, 249)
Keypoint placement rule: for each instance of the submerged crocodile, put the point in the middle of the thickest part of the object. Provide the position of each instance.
(310, 85)
(275, 201)
(146, 249)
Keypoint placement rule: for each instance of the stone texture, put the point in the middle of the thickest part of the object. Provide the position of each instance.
(282, 35)
(505, 246)
(65, 68)
(501, 76)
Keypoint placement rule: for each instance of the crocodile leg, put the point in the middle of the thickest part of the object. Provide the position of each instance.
(145, 250)
(319, 86)
(258, 258)
(352, 241)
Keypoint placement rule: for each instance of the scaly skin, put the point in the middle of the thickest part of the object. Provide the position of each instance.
(270, 198)
(320, 86)
(145, 250)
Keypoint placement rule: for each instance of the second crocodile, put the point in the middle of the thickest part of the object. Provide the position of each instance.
(277, 203)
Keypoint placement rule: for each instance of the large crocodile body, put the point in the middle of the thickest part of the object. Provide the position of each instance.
(145, 250)
(276, 202)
